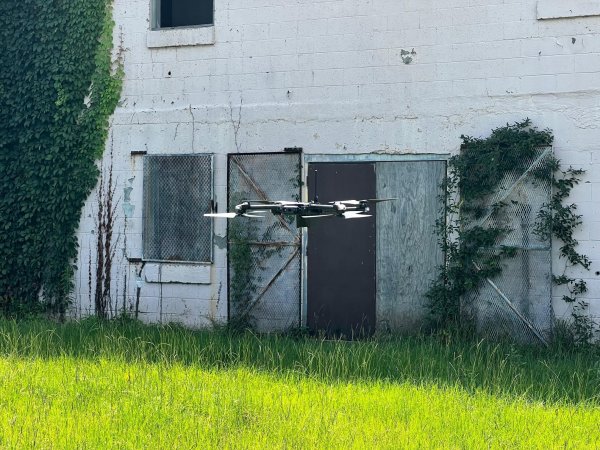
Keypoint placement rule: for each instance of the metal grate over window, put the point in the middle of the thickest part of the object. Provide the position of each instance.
(178, 190)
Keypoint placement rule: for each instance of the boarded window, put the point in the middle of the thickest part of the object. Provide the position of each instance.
(184, 13)
(178, 190)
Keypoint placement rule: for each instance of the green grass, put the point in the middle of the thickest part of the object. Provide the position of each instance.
(125, 385)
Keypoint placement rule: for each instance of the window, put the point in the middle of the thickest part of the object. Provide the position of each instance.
(182, 13)
(178, 190)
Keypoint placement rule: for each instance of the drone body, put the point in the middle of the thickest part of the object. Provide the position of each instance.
(304, 211)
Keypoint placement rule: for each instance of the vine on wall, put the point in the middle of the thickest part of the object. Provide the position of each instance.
(58, 87)
(559, 219)
(106, 247)
(473, 253)
(243, 284)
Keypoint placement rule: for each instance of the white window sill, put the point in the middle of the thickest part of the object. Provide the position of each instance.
(180, 37)
(561, 9)
(177, 273)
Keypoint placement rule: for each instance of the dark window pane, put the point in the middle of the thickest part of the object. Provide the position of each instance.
(182, 13)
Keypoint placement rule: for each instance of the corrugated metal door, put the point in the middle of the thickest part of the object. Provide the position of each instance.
(264, 255)
(341, 278)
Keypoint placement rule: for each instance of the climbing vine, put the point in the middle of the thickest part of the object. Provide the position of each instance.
(59, 85)
(242, 284)
(473, 249)
(559, 219)
(247, 257)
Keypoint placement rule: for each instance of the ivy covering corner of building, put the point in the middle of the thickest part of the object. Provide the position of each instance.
(506, 199)
(59, 85)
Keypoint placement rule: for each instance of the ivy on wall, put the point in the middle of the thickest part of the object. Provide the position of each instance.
(473, 253)
(58, 88)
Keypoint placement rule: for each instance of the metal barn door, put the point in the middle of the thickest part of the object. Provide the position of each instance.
(341, 279)
(264, 255)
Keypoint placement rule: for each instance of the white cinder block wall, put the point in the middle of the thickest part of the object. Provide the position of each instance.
(341, 76)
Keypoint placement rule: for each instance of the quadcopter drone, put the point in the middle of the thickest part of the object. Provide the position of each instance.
(347, 209)
(304, 211)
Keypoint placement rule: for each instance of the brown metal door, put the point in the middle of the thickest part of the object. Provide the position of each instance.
(341, 278)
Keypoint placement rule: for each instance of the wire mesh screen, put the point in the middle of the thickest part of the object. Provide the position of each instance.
(517, 303)
(264, 254)
(177, 192)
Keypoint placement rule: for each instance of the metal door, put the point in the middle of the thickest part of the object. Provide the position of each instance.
(264, 257)
(341, 278)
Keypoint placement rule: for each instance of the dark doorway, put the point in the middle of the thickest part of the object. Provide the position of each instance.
(341, 278)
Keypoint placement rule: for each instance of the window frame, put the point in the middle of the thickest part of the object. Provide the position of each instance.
(211, 244)
(155, 8)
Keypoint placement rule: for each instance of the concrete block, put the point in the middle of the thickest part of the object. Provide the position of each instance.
(520, 30)
(329, 77)
(255, 64)
(542, 84)
(177, 273)
(542, 65)
(577, 82)
(254, 32)
(415, 20)
(284, 63)
(315, 27)
(160, 54)
(283, 30)
(589, 62)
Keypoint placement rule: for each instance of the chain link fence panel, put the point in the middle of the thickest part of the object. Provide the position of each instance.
(264, 257)
(517, 304)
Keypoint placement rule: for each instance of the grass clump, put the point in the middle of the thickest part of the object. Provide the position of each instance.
(126, 385)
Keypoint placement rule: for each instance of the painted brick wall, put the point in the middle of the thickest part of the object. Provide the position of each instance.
(342, 76)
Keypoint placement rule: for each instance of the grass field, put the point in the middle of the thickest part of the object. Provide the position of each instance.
(125, 385)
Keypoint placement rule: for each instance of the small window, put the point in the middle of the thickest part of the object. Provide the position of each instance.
(182, 13)
(178, 190)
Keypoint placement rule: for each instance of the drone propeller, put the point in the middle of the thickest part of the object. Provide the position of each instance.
(252, 215)
(221, 215)
(355, 215)
(317, 216)
(379, 200)
(357, 202)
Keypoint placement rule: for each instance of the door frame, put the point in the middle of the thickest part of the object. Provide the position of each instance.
(346, 158)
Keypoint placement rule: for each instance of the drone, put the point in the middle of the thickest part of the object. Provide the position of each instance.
(304, 211)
